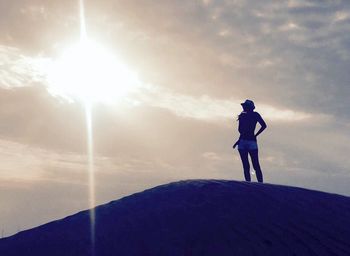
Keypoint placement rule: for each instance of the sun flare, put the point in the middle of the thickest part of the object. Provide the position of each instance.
(90, 73)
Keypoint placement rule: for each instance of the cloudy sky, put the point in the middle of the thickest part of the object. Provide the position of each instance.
(194, 62)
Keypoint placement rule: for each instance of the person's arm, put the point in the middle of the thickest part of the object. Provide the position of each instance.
(263, 125)
(234, 145)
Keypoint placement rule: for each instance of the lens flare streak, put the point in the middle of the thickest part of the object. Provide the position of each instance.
(89, 133)
(91, 171)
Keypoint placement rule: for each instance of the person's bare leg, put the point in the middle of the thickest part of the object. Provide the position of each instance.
(245, 162)
(256, 165)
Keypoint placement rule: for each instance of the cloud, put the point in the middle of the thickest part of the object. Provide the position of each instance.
(17, 70)
(293, 50)
(296, 49)
(211, 109)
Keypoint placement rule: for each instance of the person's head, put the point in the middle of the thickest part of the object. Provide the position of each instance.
(248, 105)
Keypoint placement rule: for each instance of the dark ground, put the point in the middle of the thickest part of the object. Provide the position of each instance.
(200, 217)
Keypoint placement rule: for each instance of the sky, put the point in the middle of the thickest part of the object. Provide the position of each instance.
(193, 63)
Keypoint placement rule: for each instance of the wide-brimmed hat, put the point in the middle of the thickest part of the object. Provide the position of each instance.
(248, 103)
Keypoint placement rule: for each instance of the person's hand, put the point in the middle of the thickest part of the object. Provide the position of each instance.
(234, 145)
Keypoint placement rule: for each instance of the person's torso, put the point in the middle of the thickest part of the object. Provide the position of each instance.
(247, 125)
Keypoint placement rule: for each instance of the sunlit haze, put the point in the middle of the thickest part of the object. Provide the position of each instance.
(89, 72)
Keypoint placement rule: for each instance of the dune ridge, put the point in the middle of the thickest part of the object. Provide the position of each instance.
(200, 217)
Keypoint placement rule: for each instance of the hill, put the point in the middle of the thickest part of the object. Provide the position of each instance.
(199, 217)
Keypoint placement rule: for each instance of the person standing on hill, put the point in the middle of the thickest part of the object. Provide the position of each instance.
(247, 143)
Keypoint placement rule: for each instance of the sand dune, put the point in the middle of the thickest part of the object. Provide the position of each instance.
(200, 217)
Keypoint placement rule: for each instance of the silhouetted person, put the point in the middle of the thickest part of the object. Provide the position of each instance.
(247, 143)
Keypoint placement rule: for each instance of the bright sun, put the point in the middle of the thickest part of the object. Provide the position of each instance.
(90, 73)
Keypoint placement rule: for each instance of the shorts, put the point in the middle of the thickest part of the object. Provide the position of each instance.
(247, 145)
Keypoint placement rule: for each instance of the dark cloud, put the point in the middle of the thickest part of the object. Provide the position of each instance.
(289, 55)
(30, 115)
